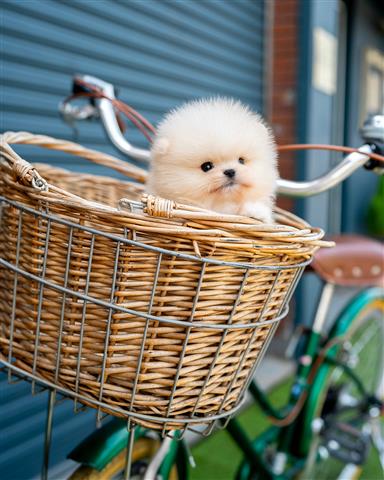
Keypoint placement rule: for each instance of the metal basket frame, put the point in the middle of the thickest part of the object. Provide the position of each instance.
(189, 421)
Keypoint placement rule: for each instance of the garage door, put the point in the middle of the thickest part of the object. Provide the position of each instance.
(159, 53)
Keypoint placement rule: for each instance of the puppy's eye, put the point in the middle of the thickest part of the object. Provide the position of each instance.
(206, 166)
(241, 160)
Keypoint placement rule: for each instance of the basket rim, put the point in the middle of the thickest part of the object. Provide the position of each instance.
(211, 224)
(136, 243)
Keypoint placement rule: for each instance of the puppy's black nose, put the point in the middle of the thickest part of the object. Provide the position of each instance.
(230, 173)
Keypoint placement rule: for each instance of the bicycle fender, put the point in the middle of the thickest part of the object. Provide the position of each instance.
(103, 444)
(356, 305)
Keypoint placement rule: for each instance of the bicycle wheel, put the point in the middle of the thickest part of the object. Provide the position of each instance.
(340, 444)
(143, 451)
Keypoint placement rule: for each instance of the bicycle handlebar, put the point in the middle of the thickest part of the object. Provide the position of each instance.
(340, 172)
(372, 132)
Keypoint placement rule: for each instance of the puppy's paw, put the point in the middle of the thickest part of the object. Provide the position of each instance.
(261, 211)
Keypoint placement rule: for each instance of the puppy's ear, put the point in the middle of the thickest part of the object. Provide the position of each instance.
(161, 146)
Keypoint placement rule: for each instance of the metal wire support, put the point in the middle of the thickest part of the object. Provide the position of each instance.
(128, 459)
(48, 434)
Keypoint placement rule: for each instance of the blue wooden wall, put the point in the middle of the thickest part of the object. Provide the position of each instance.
(159, 53)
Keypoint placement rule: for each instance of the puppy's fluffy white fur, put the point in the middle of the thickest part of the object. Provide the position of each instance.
(216, 154)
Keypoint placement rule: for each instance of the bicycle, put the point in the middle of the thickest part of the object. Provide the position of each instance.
(333, 404)
(318, 417)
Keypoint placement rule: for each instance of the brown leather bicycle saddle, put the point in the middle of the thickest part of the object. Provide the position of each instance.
(354, 261)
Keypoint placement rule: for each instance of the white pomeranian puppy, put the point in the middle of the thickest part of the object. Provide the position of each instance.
(215, 154)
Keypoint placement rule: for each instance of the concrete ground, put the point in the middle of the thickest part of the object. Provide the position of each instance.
(273, 370)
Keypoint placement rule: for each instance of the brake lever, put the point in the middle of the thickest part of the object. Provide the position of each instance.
(72, 113)
(374, 165)
(372, 132)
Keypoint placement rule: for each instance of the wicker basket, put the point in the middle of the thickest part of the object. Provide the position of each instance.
(138, 306)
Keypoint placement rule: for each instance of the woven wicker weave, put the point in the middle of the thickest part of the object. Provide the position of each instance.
(145, 309)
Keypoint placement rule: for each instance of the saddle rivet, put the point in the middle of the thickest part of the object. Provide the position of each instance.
(338, 272)
(356, 271)
(375, 269)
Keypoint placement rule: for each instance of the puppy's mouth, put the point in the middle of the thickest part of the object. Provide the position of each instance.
(226, 186)
(230, 185)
